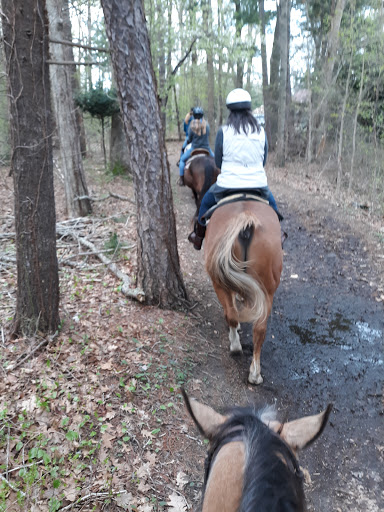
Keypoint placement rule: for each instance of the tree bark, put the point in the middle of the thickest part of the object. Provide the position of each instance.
(264, 68)
(207, 16)
(273, 88)
(284, 52)
(343, 109)
(26, 49)
(74, 76)
(327, 75)
(68, 129)
(119, 148)
(161, 63)
(362, 77)
(238, 28)
(159, 272)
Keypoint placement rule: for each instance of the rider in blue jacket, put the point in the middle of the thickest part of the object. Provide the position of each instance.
(198, 135)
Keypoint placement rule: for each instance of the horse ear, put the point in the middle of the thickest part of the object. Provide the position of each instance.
(207, 420)
(299, 434)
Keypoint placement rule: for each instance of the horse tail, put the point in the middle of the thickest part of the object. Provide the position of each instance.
(230, 273)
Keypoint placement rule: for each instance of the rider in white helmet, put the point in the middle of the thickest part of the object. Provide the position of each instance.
(241, 151)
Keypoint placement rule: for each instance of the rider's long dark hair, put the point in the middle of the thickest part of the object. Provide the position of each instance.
(243, 120)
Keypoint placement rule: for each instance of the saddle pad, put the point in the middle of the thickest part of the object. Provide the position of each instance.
(194, 156)
(244, 196)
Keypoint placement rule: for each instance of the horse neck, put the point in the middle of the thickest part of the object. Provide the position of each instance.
(225, 482)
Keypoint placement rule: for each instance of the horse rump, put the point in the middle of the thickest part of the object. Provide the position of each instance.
(227, 269)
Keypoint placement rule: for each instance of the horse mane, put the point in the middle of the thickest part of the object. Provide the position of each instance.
(273, 481)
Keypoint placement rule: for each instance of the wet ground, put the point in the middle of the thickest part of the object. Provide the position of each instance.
(324, 345)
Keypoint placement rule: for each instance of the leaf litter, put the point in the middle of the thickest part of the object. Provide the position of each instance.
(94, 420)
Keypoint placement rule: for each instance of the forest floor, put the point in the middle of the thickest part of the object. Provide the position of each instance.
(94, 420)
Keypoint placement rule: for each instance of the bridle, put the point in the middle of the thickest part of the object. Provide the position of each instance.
(237, 434)
(231, 435)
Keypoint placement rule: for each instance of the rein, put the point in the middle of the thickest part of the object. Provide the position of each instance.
(233, 434)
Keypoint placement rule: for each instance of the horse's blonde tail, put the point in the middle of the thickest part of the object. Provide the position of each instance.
(230, 273)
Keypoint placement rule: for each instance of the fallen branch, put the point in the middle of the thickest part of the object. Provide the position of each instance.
(91, 496)
(11, 485)
(78, 45)
(24, 466)
(122, 198)
(7, 259)
(24, 358)
(104, 198)
(135, 293)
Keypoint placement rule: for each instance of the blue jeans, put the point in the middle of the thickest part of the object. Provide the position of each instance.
(183, 146)
(185, 157)
(215, 193)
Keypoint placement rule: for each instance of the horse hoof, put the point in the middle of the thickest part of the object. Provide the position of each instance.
(255, 380)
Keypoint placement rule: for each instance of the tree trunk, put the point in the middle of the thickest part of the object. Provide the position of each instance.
(207, 16)
(161, 63)
(88, 53)
(119, 148)
(32, 165)
(220, 29)
(239, 26)
(362, 77)
(327, 75)
(264, 67)
(69, 137)
(273, 88)
(343, 109)
(177, 112)
(284, 52)
(69, 57)
(159, 272)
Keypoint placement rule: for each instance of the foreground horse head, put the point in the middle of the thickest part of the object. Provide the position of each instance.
(244, 258)
(200, 173)
(251, 463)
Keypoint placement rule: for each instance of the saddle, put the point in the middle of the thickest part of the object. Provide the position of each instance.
(195, 154)
(234, 196)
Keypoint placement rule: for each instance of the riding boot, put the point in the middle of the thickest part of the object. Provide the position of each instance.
(197, 236)
(181, 181)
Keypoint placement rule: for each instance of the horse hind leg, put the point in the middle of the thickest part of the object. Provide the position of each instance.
(259, 332)
(232, 318)
(234, 339)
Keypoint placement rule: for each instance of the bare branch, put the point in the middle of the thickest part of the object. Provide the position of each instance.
(78, 45)
(72, 63)
(185, 56)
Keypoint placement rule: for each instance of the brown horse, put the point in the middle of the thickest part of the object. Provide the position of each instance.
(251, 463)
(244, 259)
(200, 173)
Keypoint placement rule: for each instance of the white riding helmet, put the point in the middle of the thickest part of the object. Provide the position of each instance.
(239, 99)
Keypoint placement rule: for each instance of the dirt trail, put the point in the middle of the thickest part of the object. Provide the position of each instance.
(324, 344)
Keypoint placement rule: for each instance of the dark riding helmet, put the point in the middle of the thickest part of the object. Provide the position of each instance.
(198, 112)
(239, 99)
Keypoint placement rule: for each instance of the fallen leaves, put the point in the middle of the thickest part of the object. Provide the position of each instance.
(177, 503)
